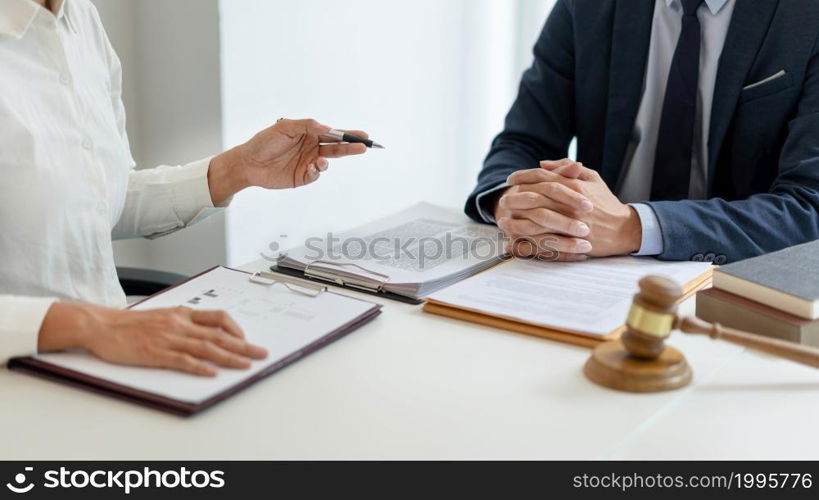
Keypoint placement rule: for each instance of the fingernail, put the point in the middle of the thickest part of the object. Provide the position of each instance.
(586, 206)
(581, 229)
(584, 246)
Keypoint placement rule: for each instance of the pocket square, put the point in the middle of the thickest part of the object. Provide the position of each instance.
(778, 74)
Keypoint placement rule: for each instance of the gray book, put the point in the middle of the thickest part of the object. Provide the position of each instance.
(787, 280)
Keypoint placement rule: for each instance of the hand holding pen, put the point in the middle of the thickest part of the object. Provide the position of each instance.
(291, 153)
(344, 136)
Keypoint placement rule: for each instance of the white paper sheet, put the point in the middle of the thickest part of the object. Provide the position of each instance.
(273, 317)
(589, 297)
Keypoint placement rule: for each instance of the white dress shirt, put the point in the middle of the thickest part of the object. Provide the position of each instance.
(715, 18)
(67, 178)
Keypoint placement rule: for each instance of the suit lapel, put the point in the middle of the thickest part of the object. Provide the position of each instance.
(631, 35)
(749, 25)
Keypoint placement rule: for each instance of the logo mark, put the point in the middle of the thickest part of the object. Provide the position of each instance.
(20, 479)
(274, 247)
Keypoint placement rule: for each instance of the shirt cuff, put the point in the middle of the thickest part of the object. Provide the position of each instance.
(486, 214)
(191, 192)
(20, 322)
(652, 243)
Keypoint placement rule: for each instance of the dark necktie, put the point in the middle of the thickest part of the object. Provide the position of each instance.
(675, 140)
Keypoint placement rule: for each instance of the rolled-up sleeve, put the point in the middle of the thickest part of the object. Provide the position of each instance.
(165, 199)
(20, 322)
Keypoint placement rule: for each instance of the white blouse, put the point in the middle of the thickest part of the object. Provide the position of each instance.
(67, 178)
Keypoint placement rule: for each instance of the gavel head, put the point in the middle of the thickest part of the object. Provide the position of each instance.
(652, 317)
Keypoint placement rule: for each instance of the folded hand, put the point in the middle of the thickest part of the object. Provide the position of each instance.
(565, 211)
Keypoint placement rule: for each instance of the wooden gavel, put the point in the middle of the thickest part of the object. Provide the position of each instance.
(641, 362)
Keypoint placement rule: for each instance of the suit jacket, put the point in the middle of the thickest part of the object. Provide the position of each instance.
(586, 82)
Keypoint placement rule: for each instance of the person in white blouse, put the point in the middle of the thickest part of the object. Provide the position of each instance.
(68, 186)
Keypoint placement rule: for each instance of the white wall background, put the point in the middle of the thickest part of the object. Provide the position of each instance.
(430, 79)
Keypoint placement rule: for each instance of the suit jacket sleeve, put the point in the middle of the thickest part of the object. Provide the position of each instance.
(787, 215)
(540, 124)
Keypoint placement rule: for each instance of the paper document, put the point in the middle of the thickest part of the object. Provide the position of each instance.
(591, 297)
(272, 316)
(412, 253)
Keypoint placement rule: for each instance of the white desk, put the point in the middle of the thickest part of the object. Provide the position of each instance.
(416, 386)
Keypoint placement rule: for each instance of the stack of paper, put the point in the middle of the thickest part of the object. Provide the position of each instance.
(582, 303)
(413, 253)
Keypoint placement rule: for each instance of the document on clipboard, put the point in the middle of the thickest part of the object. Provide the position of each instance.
(406, 256)
(289, 319)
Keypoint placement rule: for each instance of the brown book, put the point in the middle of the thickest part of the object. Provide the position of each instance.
(733, 311)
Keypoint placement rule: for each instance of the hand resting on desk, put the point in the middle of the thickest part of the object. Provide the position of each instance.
(179, 339)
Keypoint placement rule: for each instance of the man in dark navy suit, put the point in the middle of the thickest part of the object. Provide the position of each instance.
(697, 127)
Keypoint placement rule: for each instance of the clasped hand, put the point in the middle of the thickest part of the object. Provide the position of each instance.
(565, 211)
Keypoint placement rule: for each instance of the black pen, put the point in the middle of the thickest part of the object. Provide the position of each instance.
(341, 135)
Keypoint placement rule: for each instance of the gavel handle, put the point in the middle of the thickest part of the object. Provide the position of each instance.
(794, 352)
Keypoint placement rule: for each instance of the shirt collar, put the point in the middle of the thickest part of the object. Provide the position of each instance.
(713, 5)
(17, 15)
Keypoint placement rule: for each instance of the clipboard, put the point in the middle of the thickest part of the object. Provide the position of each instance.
(326, 278)
(44, 369)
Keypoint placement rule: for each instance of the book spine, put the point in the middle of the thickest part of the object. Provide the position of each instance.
(717, 310)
